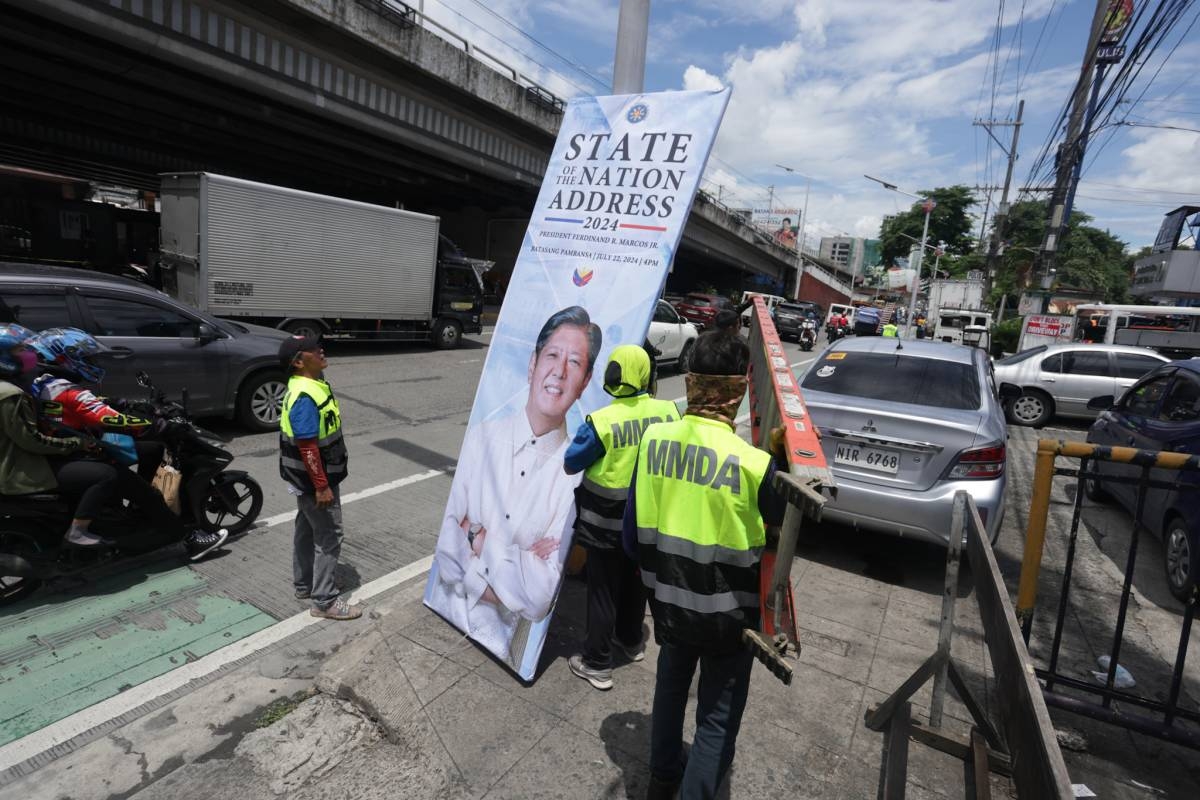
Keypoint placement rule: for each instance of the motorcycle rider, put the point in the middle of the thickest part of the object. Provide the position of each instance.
(808, 330)
(24, 467)
(67, 355)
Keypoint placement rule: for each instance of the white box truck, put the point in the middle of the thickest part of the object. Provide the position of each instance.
(314, 264)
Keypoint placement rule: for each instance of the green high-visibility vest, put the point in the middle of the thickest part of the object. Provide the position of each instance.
(890, 330)
(329, 436)
(601, 494)
(700, 532)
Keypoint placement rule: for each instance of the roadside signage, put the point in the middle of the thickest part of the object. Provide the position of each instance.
(605, 228)
(1039, 329)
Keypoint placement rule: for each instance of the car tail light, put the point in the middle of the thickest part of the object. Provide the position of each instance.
(979, 463)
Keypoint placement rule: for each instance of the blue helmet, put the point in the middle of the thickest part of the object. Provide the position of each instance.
(68, 352)
(12, 336)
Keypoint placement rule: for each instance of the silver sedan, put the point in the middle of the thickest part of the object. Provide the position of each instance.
(1062, 378)
(905, 425)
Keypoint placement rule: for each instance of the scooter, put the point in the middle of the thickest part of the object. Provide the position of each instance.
(808, 335)
(210, 496)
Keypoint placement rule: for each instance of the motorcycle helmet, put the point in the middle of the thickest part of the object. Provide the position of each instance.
(12, 336)
(69, 353)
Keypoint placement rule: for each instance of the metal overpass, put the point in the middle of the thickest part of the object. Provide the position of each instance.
(348, 97)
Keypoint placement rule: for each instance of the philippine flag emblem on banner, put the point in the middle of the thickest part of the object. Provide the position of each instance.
(582, 276)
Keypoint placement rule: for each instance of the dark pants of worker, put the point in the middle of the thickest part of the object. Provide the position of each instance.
(316, 545)
(616, 605)
(94, 484)
(720, 701)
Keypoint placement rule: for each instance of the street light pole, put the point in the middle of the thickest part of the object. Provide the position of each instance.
(927, 205)
(629, 64)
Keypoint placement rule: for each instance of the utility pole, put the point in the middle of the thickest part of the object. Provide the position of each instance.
(1069, 151)
(629, 64)
(993, 255)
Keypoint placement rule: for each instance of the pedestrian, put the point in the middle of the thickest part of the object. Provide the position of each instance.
(696, 517)
(890, 329)
(605, 449)
(313, 461)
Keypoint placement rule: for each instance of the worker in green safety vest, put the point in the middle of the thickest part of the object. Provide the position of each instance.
(696, 519)
(605, 450)
(313, 461)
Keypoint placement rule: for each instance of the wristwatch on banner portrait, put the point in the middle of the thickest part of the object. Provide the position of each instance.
(472, 531)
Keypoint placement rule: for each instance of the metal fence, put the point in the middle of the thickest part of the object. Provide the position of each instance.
(1166, 718)
(1021, 744)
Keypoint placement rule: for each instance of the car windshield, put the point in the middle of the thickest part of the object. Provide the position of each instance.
(697, 301)
(788, 308)
(897, 378)
(1021, 356)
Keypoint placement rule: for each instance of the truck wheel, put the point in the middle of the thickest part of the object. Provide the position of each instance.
(305, 327)
(259, 400)
(446, 334)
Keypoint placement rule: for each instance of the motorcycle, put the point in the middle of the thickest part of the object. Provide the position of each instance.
(808, 335)
(210, 497)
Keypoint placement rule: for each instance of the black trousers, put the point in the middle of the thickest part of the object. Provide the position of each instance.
(616, 604)
(94, 484)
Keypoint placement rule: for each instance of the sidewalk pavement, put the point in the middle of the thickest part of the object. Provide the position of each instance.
(399, 704)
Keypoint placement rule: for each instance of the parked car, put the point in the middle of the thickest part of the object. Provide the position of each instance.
(1062, 378)
(672, 335)
(788, 317)
(229, 369)
(702, 308)
(903, 429)
(1160, 412)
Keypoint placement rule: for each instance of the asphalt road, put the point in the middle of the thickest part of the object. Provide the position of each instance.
(405, 409)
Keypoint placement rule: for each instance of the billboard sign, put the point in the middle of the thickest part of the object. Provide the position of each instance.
(604, 230)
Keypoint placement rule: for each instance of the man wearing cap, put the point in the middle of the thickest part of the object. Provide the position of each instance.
(313, 461)
(605, 449)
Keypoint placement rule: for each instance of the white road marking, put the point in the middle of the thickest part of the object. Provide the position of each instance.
(288, 516)
(83, 721)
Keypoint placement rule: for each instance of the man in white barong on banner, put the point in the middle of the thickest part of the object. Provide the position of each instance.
(512, 507)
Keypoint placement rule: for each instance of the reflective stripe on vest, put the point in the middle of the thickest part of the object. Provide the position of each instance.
(602, 492)
(329, 434)
(700, 532)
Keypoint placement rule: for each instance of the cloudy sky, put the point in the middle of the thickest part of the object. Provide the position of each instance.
(839, 88)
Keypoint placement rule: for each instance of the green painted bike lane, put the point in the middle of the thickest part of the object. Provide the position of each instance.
(60, 653)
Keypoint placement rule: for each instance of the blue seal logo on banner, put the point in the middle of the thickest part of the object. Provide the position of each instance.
(582, 276)
(638, 113)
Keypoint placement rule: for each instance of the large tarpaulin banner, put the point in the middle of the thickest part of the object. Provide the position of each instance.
(605, 228)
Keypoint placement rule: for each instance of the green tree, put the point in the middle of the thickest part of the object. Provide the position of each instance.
(949, 223)
(1089, 258)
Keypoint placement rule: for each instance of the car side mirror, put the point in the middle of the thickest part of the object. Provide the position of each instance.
(206, 333)
(1102, 403)
(1010, 391)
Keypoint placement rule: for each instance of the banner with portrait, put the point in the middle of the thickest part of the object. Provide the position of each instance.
(605, 228)
(781, 224)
